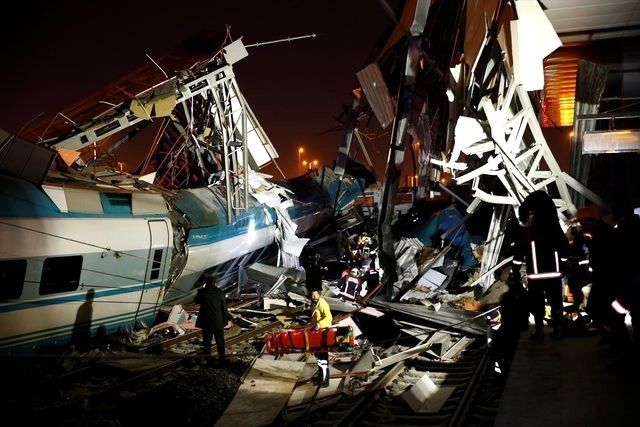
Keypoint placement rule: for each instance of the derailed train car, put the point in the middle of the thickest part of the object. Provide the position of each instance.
(84, 260)
(89, 249)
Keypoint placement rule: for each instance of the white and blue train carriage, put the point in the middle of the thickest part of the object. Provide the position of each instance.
(216, 246)
(78, 260)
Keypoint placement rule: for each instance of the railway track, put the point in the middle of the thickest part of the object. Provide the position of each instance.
(100, 386)
(168, 381)
(468, 394)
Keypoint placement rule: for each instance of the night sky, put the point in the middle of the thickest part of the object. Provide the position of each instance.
(56, 53)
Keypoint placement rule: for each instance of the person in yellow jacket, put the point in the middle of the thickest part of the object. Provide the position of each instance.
(321, 317)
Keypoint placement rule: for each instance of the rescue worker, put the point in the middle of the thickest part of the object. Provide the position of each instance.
(544, 246)
(579, 268)
(321, 317)
(351, 286)
(371, 277)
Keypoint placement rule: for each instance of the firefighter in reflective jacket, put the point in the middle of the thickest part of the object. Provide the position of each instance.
(352, 285)
(544, 247)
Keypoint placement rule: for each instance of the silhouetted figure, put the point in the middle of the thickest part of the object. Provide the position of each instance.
(513, 318)
(628, 302)
(544, 247)
(346, 258)
(81, 335)
(602, 259)
(579, 265)
(314, 273)
(213, 317)
(624, 256)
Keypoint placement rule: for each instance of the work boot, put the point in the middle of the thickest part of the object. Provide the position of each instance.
(317, 379)
(323, 373)
(324, 381)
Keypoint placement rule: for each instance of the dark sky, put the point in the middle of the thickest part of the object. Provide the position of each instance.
(55, 53)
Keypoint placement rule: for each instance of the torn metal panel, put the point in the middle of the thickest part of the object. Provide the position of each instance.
(365, 362)
(440, 343)
(268, 274)
(25, 160)
(450, 319)
(411, 275)
(533, 39)
(437, 344)
(454, 352)
(425, 396)
(402, 355)
(375, 89)
(159, 103)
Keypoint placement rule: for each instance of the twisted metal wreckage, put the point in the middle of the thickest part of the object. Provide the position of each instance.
(474, 123)
(482, 120)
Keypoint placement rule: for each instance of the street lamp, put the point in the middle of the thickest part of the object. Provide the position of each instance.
(300, 150)
(309, 165)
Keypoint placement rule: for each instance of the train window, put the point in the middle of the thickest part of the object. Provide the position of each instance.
(12, 278)
(60, 274)
(116, 202)
(157, 264)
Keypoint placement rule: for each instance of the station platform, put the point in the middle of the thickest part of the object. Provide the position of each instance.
(575, 381)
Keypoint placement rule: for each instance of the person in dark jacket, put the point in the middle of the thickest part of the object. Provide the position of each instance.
(544, 246)
(513, 318)
(213, 317)
(314, 272)
(579, 266)
(621, 271)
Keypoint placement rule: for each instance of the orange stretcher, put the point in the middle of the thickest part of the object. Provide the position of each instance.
(296, 340)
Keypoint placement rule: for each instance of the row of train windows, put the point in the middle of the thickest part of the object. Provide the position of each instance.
(59, 274)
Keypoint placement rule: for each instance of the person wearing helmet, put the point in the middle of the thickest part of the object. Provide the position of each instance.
(352, 285)
(582, 235)
(542, 248)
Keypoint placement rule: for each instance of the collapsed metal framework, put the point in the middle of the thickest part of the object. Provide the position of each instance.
(499, 148)
(205, 129)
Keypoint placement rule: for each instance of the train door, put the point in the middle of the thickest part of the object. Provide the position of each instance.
(158, 261)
